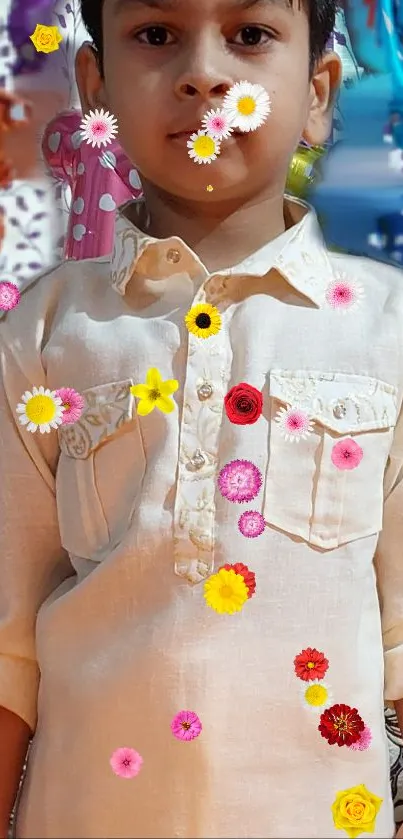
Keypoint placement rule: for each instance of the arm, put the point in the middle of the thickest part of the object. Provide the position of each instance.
(32, 560)
(14, 738)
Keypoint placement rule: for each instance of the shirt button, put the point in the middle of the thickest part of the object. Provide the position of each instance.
(340, 410)
(204, 391)
(173, 255)
(197, 461)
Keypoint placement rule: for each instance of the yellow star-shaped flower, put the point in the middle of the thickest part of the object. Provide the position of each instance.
(155, 393)
(46, 38)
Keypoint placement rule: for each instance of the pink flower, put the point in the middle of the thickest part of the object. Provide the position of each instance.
(251, 524)
(126, 762)
(343, 294)
(186, 725)
(364, 740)
(73, 404)
(347, 454)
(217, 124)
(9, 296)
(295, 424)
(239, 480)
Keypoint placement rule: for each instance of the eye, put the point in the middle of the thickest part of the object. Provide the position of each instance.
(253, 36)
(154, 36)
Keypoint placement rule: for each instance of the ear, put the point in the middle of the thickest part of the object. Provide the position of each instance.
(325, 83)
(89, 79)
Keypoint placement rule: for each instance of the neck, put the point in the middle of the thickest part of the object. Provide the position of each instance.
(221, 234)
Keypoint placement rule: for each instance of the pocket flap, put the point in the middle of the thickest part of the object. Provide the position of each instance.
(343, 402)
(107, 408)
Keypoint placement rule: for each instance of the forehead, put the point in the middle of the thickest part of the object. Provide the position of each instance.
(208, 6)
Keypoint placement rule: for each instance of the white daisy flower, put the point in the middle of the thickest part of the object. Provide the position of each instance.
(295, 424)
(202, 148)
(316, 695)
(344, 293)
(42, 409)
(247, 106)
(217, 124)
(98, 128)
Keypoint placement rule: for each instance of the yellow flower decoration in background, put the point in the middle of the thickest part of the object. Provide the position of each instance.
(226, 592)
(355, 810)
(155, 393)
(46, 38)
(203, 320)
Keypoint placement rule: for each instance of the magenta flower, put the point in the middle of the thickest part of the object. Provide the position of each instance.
(343, 294)
(251, 524)
(9, 296)
(126, 762)
(73, 404)
(186, 725)
(239, 481)
(347, 454)
(364, 740)
(295, 424)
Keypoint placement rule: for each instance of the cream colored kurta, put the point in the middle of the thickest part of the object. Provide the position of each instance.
(110, 527)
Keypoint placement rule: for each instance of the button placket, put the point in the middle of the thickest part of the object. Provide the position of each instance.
(203, 401)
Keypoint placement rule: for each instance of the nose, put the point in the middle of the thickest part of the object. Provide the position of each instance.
(201, 75)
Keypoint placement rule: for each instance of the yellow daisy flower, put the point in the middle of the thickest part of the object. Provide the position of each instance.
(202, 148)
(203, 320)
(155, 393)
(40, 409)
(225, 592)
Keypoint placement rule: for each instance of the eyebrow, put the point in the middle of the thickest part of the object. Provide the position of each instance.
(172, 5)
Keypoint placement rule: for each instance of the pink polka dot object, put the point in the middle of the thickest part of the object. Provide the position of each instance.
(100, 181)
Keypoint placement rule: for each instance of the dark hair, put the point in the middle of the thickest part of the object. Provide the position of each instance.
(321, 13)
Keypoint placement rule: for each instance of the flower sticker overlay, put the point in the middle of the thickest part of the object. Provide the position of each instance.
(126, 763)
(217, 124)
(155, 393)
(251, 524)
(203, 148)
(240, 481)
(72, 403)
(247, 105)
(248, 576)
(42, 409)
(355, 810)
(46, 38)
(226, 592)
(316, 695)
(295, 424)
(346, 454)
(341, 724)
(344, 294)
(364, 741)
(186, 725)
(98, 128)
(203, 320)
(243, 404)
(310, 665)
(9, 296)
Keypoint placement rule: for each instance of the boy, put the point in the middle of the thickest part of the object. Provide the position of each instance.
(158, 716)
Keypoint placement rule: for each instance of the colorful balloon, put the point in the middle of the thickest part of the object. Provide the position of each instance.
(100, 180)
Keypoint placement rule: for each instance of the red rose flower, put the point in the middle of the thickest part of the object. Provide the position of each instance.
(243, 404)
(310, 665)
(341, 724)
(243, 570)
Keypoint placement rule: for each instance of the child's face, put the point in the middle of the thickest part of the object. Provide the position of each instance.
(167, 62)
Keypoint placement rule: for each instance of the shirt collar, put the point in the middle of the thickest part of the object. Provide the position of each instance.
(301, 256)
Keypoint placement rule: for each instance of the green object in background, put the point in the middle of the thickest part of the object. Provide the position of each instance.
(304, 170)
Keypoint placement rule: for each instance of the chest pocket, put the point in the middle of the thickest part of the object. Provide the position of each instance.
(100, 472)
(307, 493)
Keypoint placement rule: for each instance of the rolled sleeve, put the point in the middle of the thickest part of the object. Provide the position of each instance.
(389, 569)
(32, 560)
